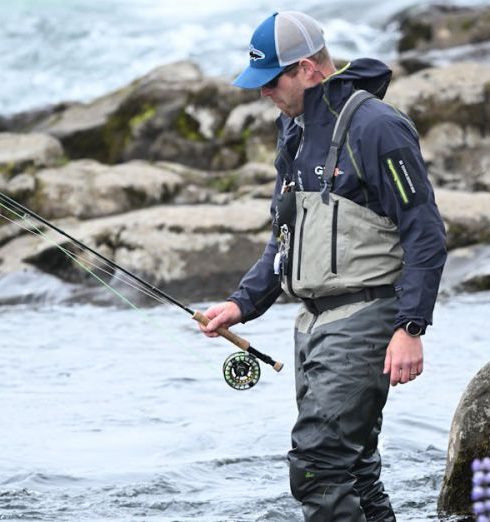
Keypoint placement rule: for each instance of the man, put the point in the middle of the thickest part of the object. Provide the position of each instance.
(367, 267)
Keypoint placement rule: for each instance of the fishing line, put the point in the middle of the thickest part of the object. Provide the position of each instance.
(72, 255)
(37, 232)
(240, 370)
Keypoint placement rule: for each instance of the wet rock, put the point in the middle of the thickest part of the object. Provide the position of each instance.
(438, 35)
(451, 109)
(196, 252)
(458, 93)
(19, 152)
(469, 438)
(87, 189)
(173, 114)
(457, 157)
(467, 270)
(442, 26)
(466, 216)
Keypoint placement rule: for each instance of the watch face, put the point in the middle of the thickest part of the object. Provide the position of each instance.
(413, 329)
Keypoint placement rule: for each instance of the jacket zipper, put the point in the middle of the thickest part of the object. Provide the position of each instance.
(334, 236)
(300, 246)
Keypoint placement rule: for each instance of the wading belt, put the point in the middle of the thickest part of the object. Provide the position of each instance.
(322, 304)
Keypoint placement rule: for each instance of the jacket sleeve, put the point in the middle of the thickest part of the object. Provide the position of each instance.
(396, 176)
(260, 287)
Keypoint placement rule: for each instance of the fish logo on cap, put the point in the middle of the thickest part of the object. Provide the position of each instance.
(255, 54)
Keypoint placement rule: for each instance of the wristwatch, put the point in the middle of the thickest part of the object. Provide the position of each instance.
(412, 328)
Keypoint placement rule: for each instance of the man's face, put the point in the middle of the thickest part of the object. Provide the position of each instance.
(288, 93)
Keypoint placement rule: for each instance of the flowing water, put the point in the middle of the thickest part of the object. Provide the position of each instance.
(58, 50)
(123, 415)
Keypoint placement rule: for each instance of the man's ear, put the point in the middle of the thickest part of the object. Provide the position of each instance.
(308, 69)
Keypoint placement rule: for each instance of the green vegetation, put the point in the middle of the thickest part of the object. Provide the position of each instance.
(147, 113)
(226, 183)
(187, 127)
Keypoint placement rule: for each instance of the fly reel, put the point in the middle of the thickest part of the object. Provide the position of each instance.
(241, 371)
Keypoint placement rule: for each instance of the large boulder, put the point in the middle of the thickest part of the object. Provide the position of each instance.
(440, 26)
(173, 114)
(19, 152)
(451, 109)
(436, 34)
(466, 216)
(469, 439)
(192, 251)
(87, 189)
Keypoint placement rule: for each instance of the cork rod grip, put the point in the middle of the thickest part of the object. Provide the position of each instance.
(224, 332)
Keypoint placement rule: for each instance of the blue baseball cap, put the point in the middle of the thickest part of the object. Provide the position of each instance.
(280, 40)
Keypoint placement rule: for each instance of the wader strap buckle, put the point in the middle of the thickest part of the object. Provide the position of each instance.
(322, 304)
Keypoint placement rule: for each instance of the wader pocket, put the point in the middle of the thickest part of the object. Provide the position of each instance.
(286, 210)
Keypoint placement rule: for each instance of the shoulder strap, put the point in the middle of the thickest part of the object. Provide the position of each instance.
(339, 133)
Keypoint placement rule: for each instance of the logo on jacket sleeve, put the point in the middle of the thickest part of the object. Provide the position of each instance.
(407, 176)
(255, 54)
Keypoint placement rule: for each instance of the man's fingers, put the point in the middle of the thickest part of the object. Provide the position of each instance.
(387, 366)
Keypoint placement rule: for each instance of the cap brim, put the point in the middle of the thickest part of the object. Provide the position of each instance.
(254, 78)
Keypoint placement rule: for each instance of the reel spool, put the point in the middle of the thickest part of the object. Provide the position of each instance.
(241, 371)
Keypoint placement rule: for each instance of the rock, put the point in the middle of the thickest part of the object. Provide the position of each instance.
(440, 27)
(87, 189)
(466, 216)
(19, 152)
(201, 186)
(467, 269)
(194, 252)
(469, 439)
(21, 187)
(458, 158)
(451, 109)
(171, 114)
(414, 61)
(458, 93)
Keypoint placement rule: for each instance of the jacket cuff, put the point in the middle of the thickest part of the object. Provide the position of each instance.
(243, 301)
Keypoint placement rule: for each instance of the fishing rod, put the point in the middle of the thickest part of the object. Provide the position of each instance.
(241, 370)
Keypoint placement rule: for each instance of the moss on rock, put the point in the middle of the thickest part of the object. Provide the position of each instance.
(188, 127)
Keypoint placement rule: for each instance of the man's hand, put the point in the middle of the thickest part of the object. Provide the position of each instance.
(404, 358)
(223, 314)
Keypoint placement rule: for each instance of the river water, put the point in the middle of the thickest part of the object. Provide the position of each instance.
(112, 414)
(58, 50)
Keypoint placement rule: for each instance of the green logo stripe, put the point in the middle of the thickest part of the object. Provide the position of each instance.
(397, 181)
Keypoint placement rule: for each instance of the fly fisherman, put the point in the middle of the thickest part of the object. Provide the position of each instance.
(358, 238)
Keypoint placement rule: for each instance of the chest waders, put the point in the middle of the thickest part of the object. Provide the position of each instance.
(335, 255)
(333, 251)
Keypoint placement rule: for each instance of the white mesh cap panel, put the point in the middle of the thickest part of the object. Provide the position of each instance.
(297, 36)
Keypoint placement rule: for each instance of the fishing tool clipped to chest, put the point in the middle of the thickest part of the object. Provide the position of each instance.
(241, 370)
(283, 227)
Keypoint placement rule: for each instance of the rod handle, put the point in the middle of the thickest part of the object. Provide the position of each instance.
(239, 341)
(224, 332)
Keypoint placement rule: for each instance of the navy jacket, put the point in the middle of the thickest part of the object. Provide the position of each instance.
(380, 166)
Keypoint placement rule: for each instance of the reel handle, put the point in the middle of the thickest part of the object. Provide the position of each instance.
(239, 341)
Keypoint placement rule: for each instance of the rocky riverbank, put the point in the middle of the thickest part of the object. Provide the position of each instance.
(171, 175)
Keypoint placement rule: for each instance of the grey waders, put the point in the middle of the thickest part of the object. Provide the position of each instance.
(342, 259)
